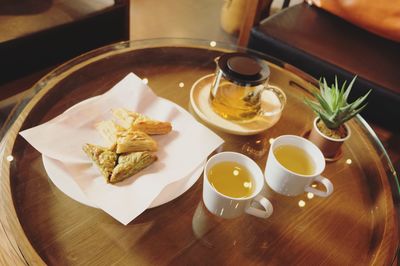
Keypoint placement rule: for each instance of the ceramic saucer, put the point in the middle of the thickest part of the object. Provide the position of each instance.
(199, 100)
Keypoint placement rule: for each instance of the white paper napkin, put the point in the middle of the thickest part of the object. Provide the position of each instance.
(180, 151)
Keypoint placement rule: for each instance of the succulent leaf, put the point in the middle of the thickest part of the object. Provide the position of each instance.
(347, 91)
(313, 105)
(331, 105)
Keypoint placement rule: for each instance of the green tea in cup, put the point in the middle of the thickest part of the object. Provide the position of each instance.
(231, 179)
(293, 165)
(295, 159)
(232, 182)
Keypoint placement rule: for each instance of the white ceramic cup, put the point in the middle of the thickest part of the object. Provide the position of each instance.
(229, 207)
(289, 183)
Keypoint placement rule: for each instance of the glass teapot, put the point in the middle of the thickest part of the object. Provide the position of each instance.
(240, 88)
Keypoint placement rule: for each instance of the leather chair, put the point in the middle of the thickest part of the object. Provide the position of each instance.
(37, 34)
(324, 45)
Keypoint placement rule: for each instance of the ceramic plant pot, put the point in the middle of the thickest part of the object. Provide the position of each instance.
(330, 147)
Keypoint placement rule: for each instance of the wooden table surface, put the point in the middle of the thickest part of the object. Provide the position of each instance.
(356, 225)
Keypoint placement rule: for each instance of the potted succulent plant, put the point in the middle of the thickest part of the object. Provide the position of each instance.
(329, 129)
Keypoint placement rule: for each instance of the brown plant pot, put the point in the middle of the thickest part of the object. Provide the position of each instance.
(329, 146)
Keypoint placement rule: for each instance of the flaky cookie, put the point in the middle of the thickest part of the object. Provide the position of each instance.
(130, 164)
(104, 159)
(134, 140)
(108, 130)
(151, 126)
(124, 117)
(141, 122)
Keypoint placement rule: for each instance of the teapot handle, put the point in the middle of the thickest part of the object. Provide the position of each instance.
(273, 100)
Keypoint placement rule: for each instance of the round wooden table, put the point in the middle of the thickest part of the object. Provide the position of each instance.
(356, 225)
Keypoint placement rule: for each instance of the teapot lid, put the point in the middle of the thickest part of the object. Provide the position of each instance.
(243, 69)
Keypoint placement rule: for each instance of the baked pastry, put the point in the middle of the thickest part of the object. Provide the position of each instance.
(131, 163)
(141, 122)
(125, 117)
(134, 140)
(102, 157)
(116, 168)
(108, 130)
(151, 126)
(129, 147)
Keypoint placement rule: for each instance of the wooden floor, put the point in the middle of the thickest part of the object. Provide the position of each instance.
(200, 20)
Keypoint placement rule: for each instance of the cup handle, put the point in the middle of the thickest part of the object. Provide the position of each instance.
(325, 182)
(261, 213)
(282, 100)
